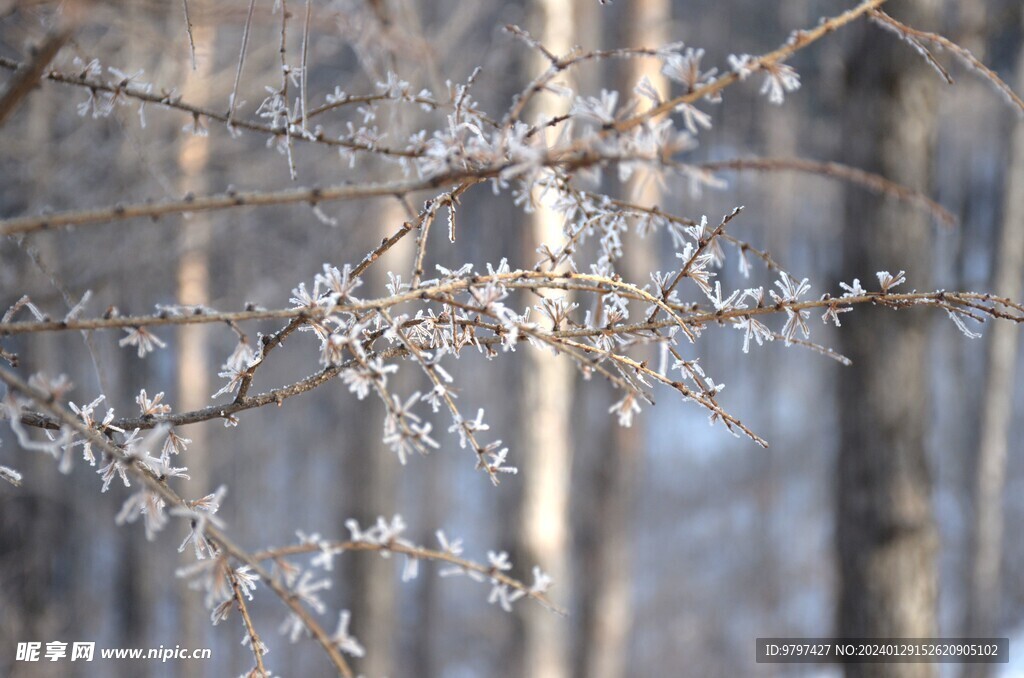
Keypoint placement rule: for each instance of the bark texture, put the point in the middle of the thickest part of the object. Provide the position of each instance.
(983, 593)
(885, 532)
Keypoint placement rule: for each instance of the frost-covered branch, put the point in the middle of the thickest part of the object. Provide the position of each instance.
(916, 37)
(745, 67)
(450, 553)
(155, 495)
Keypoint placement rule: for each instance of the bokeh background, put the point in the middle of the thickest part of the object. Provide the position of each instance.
(679, 544)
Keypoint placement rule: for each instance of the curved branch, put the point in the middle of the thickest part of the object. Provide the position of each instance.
(869, 180)
(798, 41)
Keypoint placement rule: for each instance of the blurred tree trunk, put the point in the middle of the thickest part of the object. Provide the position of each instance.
(193, 280)
(32, 567)
(433, 509)
(982, 613)
(546, 409)
(885, 532)
(371, 488)
(371, 493)
(604, 591)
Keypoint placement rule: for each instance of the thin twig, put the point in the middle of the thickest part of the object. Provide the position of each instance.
(250, 629)
(416, 552)
(869, 180)
(701, 247)
(964, 55)
(191, 38)
(305, 61)
(169, 100)
(222, 201)
(800, 40)
(241, 62)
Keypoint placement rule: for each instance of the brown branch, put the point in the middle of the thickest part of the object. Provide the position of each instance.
(743, 245)
(191, 37)
(27, 75)
(688, 265)
(570, 159)
(223, 201)
(799, 40)
(575, 156)
(304, 64)
(518, 279)
(167, 100)
(274, 340)
(241, 62)
(417, 552)
(869, 180)
(964, 55)
(63, 418)
(254, 639)
(562, 342)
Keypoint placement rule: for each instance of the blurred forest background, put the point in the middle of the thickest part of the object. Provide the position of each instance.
(890, 500)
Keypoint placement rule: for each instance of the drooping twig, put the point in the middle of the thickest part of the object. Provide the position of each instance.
(800, 40)
(241, 62)
(191, 37)
(305, 62)
(869, 180)
(964, 55)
